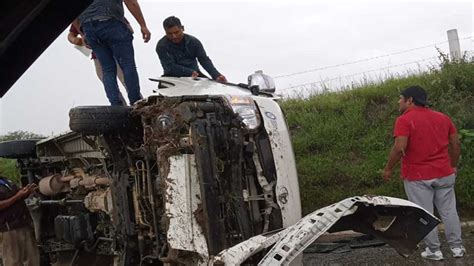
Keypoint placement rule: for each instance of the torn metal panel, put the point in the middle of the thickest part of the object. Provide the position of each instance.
(409, 226)
(287, 188)
(237, 254)
(182, 200)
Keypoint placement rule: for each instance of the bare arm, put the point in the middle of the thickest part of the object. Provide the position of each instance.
(4, 204)
(75, 35)
(136, 11)
(454, 149)
(398, 150)
(75, 39)
(77, 25)
(20, 195)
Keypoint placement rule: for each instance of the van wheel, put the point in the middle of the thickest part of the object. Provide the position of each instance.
(17, 149)
(96, 120)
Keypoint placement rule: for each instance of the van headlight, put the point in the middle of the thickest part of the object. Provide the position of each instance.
(245, 107)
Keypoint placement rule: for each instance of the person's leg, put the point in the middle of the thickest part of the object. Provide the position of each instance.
(122, 79)
(31, 252)
(120, 42)
(96, 35)
(11, 248)
(445, 202)
(1, 249)
(98, 71)
(421, 193)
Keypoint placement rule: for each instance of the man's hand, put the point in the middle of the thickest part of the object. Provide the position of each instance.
(78, 41)
(24, 192)
(195, 74)
(387, 174)
(146, 33)
(221, 78)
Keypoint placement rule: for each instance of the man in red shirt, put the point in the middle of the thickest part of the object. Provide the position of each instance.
(427, 143)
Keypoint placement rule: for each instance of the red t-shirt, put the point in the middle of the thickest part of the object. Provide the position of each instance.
(426, 155)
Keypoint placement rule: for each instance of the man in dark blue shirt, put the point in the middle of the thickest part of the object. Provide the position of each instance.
(179, 52)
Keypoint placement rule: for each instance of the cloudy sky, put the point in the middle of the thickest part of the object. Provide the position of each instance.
(298, 42)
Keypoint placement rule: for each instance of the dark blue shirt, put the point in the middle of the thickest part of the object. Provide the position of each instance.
(102, 10)
(15, 216)
(180, 60)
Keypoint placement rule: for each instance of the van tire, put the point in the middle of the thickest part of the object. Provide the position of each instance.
(97, 120)
(17, 149)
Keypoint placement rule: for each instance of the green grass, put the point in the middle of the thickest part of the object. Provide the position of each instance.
(342, 139)
(8, 166)
(8, 169)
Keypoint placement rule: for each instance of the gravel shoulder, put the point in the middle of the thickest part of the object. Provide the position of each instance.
(348, 249)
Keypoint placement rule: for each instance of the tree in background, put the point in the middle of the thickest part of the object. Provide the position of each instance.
(8, 166)
(19, 135)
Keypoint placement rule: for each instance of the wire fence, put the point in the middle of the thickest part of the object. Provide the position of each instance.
(366, 59)
(364, 72)
(307, 88)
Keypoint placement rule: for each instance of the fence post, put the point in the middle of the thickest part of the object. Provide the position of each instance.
(454, 46)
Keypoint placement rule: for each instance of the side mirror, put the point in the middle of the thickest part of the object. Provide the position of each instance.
(264, 82)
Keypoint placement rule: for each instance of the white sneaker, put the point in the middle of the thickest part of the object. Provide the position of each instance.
(427, 254)
(458, 252)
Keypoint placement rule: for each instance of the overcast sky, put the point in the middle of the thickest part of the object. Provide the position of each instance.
(278, 37)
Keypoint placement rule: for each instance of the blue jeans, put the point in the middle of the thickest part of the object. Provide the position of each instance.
(111, 41)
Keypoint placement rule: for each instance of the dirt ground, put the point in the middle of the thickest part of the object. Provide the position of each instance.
(378, 253)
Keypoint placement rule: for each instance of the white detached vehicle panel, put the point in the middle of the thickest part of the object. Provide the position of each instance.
(398, 222)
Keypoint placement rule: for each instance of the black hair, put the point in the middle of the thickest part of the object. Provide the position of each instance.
(417, 93)
(415, 101)
(171, 22)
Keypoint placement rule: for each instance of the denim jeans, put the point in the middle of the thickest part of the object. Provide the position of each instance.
(111, 41)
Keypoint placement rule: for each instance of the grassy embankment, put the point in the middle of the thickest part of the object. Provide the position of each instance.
(342, 139)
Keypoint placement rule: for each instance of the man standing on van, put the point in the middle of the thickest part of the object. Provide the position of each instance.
(179, 52)
(107, 33)
(428, 145)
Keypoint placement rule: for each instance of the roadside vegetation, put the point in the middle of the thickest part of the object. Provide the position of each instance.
(342, 139)
(8, 166)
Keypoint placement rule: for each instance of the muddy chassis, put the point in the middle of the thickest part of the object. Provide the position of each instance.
(114, 197)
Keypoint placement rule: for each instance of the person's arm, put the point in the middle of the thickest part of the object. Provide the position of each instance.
(75, 39)
(169, 65)
(401, 133)
(206, 62)
(4, 204)
(136, 11)
(74, 36)
(454, 143)
(398, 150)
(454, 149)
(77, 25)
(20, 195)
